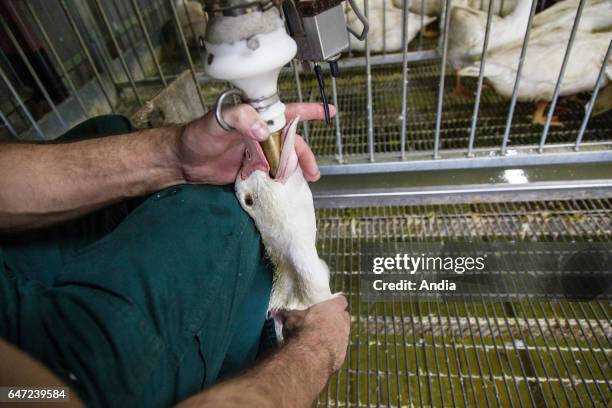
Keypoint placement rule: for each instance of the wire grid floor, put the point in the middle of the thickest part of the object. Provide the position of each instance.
(423, 83)
(491, 352)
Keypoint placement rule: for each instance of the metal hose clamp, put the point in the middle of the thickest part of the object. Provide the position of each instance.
(219, 107)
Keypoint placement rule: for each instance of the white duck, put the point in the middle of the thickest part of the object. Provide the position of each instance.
(467, 32)
(433, 7)
(596, 16)
(542, 64)
(391, 32)
(283, 211)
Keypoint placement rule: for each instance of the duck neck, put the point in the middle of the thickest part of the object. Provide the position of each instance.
(521, 13)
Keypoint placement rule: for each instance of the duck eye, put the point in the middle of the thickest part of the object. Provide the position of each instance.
(247, 154)
(248, 200)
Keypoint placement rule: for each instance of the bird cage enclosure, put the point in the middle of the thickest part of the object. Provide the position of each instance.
(407, 159)
(397, 107)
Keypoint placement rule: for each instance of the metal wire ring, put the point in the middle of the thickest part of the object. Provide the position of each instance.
(219, 107)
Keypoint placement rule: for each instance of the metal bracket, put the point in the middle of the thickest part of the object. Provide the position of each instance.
(219, 107)
(362, 18)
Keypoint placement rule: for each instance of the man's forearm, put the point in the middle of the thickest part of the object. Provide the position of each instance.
(293, 377)
(41, 184)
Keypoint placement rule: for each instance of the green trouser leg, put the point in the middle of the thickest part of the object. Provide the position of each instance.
(146, 311)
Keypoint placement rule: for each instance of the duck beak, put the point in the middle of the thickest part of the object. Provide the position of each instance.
(256, 157)
(288, 163)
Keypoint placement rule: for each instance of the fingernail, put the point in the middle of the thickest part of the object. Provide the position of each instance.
(260, 131)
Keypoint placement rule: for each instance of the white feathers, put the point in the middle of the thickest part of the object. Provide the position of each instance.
(433, 7)
(543, 64)
(467, 31)
(384, 35)
(284, 215)
(546, 50)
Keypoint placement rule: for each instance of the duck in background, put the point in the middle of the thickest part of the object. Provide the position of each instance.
(193, 20)
(545, 52)
(603, 104)
(596, 16)
(467, 32)
(387, 37)
(433, 7)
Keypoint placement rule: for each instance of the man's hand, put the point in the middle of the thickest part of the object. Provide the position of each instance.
(295, 375)
(324, 326)
(67, 180)
(208, 154)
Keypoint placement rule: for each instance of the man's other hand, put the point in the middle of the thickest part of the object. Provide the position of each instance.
(324, 326)
(208, 154)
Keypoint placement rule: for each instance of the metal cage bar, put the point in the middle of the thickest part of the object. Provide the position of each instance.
(193, 33)
(568, 50)
(7, 124)
(436, 149)
(32, 72)
(25, 110)
(58, 60)
(147, 38)
(128, 34)
(370, 108)
(405, 78)
(337, 125)
(85, 50)
(483, 59)
(438, 137)
(194, 76)
(119, 52)
(519, 70)
(591, 103)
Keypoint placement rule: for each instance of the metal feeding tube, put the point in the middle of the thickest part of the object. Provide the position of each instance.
(271, 146)
(248, 47)
(247, 44)
(272, 149)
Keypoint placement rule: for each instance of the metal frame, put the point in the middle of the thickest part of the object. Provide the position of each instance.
(481, 158)
(477, 193)
(345, 162)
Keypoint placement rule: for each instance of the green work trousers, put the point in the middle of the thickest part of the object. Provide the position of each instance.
(143, 303)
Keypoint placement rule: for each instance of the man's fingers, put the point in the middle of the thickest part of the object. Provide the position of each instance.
(339, 301)
(308, 111)
(246, 121)
(307, 160)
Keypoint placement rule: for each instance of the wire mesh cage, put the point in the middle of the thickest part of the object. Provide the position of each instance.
(394, 94)
(63, 61)
(490, 351)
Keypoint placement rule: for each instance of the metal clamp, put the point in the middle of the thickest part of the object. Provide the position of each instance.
(362, 18)
(219, 107)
